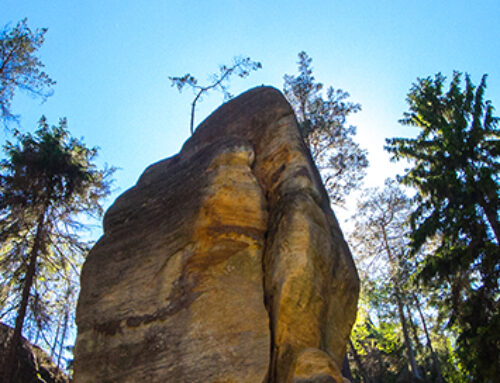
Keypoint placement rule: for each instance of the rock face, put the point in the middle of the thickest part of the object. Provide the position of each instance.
(33, 364)
(223, 263)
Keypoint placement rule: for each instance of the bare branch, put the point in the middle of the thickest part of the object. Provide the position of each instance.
(241, 67)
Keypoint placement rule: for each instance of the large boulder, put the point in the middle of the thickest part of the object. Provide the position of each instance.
(223, 263)
(33, 365)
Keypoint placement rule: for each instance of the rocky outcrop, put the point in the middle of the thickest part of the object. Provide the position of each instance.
(223, 263)
(33, 365)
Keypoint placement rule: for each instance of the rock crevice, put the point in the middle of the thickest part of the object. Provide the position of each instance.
(224, 263)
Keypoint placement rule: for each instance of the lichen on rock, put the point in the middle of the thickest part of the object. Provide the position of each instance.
(223, 263)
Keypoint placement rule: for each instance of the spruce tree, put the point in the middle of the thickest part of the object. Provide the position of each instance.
(454, 166)
(48, 182)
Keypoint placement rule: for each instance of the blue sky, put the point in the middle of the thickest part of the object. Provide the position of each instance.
(111, 60)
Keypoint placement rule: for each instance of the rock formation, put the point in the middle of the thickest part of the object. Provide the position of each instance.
(33, 364)
(224, 263)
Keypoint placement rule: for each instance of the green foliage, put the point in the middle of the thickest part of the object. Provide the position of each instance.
(380, 239)
(455, 169)
(407, 340)
(219, 81)
(322, 122)
(20, 68)
(378, 346)
(48, 182)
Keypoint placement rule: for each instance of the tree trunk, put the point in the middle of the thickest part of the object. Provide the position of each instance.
(437, 367)
(414, 330)
(193, 107)
(357, 359)
(346, 369)
(399, 303)
(63, 336)
(54, 345)
(409, 348)
(492, 217)
(10, 355)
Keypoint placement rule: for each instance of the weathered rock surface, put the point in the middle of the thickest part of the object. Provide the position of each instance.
(224, 263)
(33, 364)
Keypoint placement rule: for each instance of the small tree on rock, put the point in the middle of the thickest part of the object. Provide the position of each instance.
(219, 81)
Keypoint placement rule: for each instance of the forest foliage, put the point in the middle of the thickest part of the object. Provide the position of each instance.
(48, 182)
(20, 67)
(49, 186)
(439, 290)
(426, 244)
(455, 171)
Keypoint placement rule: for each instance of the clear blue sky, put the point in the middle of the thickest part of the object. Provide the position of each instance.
(112, 58)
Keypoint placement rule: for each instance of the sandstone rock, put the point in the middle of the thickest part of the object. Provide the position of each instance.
(313, 365)
(224, 263)
(33, 364)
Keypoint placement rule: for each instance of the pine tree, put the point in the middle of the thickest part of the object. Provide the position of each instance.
(48, 181)
(322, 122)
(20, 68)
(455, 169)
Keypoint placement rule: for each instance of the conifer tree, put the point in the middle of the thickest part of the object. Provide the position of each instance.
(47, 182)
(322, 122)
(20, 68)
(455, 169)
